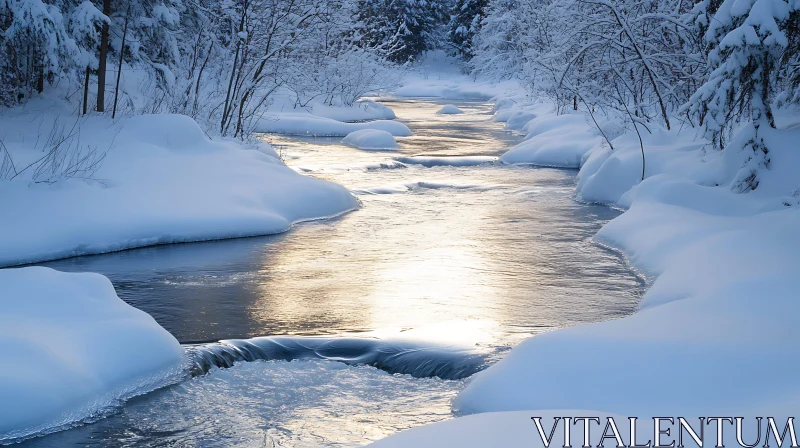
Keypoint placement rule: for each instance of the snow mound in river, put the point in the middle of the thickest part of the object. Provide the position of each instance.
(73, 350)
(370, 139)
(450, 109)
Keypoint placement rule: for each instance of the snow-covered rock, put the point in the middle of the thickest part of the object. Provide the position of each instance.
(162, 181)
(307, 124)
(73, 349)
(370, 139)
(449, 109)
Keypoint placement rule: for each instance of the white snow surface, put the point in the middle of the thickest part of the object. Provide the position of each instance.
(370, 139)
(73, 350)
(163, 181)
(449, 109)
(303, 123)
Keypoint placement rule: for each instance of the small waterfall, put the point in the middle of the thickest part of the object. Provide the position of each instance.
(411, 358)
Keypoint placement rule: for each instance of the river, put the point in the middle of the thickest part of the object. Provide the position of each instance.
(453, 259)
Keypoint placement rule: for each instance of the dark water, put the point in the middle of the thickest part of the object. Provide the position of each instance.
(457, 255)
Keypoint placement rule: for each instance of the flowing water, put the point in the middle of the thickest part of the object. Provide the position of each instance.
(347, 330)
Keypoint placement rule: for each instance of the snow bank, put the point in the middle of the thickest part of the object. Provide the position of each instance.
(162, 182)
(450, 109)
(307, 124)
(370, 139)
(360, 111)
(516, 120)
(563, 141)
(73, 350)
(726, 270)
(554, 140)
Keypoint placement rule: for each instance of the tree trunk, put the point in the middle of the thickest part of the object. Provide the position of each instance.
(119, 67)
(101, 69)
(575, 102)
(40, 78)
(85, 90)
(765, 90)
(226, 109)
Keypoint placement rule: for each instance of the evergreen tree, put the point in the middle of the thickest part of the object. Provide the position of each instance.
(465, 22)
(747, 43)
(401, 29)
(748, 40)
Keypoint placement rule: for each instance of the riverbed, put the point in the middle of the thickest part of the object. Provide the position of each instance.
(453, 255)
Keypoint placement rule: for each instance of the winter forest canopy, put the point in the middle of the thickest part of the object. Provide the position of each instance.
(709, 65)
(216, 61)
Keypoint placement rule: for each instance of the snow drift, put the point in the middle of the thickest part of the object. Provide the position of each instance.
(162, 181)
(73, 350)
(559, 141)
(307, 124)
(370, 139)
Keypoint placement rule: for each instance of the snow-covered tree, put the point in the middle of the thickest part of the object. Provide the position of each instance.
(402, 28)
(464, 24)
(36, 45)
(748, 43)
(747, 40)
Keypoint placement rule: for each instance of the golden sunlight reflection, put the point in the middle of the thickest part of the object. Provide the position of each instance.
(424, 289)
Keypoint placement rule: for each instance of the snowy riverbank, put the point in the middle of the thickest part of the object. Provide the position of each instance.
(74, 351)
(723, 267)
(161, 181)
